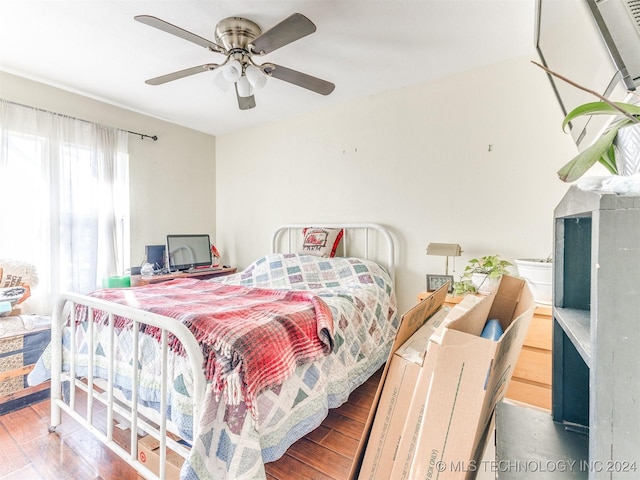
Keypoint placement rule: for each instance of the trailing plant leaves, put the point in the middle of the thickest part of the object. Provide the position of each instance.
(600, 108)
(491, 265)
(582, 162)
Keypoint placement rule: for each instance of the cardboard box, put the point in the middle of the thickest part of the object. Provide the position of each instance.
(388, 423)
(149, 456)
(462, 378)
(410, 322)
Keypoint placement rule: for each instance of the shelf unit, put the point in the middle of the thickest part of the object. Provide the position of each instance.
(596, 339)
(596, 326)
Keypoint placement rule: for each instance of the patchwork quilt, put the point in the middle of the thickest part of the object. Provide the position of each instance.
(234, 439)
(228, 321)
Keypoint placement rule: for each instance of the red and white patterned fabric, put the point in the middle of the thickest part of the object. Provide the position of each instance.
(232, 441)
(229, 321)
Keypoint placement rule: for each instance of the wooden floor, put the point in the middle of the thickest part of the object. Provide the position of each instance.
(29, 452)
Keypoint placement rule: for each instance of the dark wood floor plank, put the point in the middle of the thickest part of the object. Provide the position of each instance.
(354, 412)
(322, 459)
(319, 434)
(11, 456)
(290, 468)
(43, 409)
(55, 460)
(29, 451)
(361, 399)
(370, 386)
(106, 462)
(25, 425)
(347, 426)
(340, 443)
(24, 473)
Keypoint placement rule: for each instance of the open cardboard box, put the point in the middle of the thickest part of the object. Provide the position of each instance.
(388, 424)
(452, 399)
(149, 456)
(410, 322)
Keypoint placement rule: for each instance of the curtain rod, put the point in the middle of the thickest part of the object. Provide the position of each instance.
(141, 135)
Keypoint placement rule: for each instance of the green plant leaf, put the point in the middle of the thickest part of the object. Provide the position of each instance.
(608, 159)
(463, 287)
(600, 108)
(582, 162)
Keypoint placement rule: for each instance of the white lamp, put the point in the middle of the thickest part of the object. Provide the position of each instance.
(221, 82)
(244, 87)
(256, 78)
(232, 71)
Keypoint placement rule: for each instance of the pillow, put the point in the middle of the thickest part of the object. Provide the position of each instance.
(321, 242)
(16, 277)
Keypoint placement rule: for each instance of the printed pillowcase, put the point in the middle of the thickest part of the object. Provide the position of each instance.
(321, 242)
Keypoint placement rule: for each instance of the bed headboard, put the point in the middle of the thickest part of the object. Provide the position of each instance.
(365, 240)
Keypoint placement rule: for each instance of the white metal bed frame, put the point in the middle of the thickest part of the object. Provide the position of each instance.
(132, 413)
(295, 229)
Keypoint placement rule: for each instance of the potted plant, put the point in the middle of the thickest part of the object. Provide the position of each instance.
(606, 149)
(481, 275)
(538, 272)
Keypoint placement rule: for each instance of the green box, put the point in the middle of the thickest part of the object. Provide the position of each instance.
(116, 282)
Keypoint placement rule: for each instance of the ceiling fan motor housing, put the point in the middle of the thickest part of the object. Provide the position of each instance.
(236, 33)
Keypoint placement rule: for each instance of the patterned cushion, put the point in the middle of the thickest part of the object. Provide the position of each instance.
(321, 242)
(16, 277)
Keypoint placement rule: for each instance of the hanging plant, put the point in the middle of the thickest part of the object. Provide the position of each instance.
(603, 149)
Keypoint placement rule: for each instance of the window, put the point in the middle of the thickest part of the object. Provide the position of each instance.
(65, 200)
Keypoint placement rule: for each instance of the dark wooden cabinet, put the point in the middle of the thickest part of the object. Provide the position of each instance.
(18, 354)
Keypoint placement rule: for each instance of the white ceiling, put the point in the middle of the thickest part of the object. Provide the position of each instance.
(95, 48)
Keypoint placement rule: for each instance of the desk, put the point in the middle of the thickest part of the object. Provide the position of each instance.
(138, 280)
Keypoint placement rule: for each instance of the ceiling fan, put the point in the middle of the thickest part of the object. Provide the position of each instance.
(240, 40)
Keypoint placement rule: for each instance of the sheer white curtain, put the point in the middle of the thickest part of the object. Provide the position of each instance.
(64, 203)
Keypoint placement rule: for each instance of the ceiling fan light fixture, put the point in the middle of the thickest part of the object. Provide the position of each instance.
(221, 82)
(256, 78)
(244, 87)
(232, 71)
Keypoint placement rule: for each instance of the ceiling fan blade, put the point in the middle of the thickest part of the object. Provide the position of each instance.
(169, 77)
(289, 30)
(245, 103)
(301, 79)
(179, 32)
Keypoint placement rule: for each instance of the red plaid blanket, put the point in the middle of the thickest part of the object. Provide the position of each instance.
(251, 338)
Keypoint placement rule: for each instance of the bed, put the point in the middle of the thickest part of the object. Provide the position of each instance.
(227, 411)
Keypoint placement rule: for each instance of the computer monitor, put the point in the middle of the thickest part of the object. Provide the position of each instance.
(155, 255)
(188, 251)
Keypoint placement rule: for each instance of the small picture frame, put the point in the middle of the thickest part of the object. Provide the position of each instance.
(436, 281)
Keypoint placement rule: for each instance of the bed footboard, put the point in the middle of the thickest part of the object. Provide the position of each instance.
(130, 411)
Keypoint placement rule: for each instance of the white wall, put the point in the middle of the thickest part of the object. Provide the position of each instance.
(172, 179)
(469, 159)
(417, 160)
